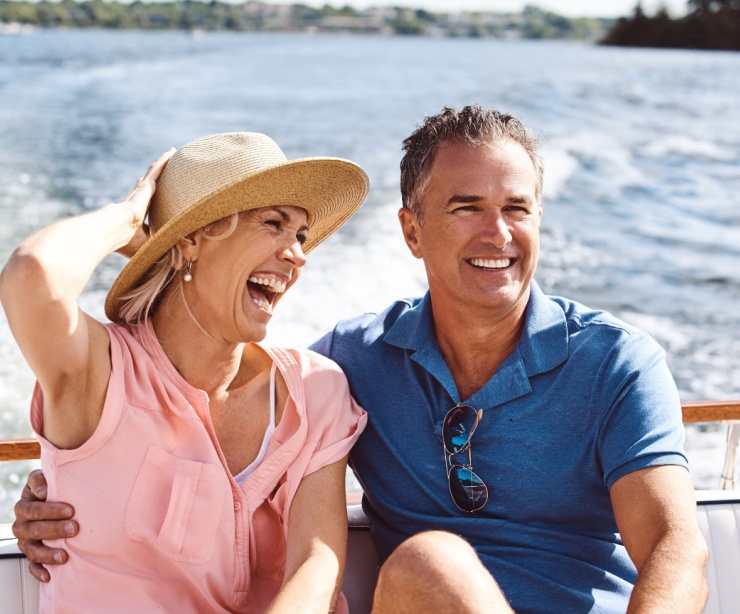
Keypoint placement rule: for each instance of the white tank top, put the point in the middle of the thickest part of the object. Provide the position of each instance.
(242, 476)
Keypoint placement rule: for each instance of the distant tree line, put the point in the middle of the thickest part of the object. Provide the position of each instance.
(185, 14)
(709, 24)
(252, 15)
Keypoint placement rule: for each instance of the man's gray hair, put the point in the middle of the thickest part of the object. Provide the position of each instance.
(473, 125)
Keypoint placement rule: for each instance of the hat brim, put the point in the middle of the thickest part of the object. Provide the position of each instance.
(330, 190)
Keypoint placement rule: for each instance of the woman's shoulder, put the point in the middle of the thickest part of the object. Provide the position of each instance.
(319, 379)
(125, 340)
(321, 392)
(307, 361)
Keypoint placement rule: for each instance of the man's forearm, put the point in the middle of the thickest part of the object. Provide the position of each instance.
(673, 579)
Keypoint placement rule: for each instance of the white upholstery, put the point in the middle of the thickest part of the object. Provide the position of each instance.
(718, 514)
(19, 591)
(719, 519)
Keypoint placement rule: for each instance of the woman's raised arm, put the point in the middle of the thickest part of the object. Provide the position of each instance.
(39, 287)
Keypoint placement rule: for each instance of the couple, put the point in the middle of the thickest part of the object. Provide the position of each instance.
(510, 435)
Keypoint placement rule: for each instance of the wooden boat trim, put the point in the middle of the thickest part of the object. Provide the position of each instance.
(19, 449)
(711, 411)
(701, 411)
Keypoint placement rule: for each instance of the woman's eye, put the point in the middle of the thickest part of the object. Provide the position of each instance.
(302, 238)
(275, 223)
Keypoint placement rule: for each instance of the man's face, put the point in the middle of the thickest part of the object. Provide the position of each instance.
(479, 233)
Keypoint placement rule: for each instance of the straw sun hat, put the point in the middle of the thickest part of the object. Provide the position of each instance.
(217, 175)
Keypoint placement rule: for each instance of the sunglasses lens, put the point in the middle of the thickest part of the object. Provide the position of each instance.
(459, 425)
(468, 491)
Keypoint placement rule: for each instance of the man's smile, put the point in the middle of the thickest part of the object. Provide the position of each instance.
(491, 263)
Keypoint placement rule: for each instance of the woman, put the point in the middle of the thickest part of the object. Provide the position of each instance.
(206, 470)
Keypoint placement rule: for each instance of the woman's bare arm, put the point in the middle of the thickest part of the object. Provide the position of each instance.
(39, 287)
(317, 544)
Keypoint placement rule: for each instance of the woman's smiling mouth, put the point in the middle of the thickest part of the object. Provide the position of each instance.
(263, 289)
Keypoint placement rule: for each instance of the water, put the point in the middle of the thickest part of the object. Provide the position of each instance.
(642, 149)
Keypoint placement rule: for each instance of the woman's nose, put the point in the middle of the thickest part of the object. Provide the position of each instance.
(293, 253)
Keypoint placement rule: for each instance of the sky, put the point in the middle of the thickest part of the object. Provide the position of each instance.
(570, 8)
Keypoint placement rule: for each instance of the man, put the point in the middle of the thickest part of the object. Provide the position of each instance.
(511, 435)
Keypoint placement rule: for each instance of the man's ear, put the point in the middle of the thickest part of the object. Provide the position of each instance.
(410, 227)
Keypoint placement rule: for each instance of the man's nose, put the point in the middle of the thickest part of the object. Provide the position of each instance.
(495, 230)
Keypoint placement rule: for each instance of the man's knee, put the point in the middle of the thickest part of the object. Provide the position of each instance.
(436, 571)
(430, 554)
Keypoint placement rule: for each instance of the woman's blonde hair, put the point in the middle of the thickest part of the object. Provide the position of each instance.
(139, 304)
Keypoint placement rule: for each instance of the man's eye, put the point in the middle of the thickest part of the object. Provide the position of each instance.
(275, 223)
(302, 238)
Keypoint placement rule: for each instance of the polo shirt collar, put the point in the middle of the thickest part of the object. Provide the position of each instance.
(542, 347)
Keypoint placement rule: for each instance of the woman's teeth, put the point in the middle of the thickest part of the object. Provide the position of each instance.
(276, 284)
(486, 263)
(265, 287)
(263, 305)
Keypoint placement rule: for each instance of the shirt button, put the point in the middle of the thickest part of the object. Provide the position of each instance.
(237, 506)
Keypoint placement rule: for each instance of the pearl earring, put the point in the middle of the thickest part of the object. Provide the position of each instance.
(188, 272)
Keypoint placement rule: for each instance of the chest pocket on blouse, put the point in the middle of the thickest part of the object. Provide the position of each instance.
(177, 506)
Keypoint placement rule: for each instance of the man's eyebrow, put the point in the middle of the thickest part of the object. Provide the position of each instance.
(286, 216)
(517, 199)
(463, 198)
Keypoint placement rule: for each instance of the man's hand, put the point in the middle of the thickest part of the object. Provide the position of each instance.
(35, 519)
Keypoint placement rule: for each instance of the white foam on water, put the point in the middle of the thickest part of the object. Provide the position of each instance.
(664, 329)
(559, 167)
(709, 378)
(604, 165)
(678, 144)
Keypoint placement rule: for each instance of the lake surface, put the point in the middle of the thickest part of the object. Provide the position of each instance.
(642, 178)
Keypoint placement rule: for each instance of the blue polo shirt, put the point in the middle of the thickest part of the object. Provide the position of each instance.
(583, 400)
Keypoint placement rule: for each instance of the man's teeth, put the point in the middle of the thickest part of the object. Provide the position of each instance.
(490, 264)
(276, 284)
(263, 305)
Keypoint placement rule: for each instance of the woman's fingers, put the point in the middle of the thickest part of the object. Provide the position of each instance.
(154, 170)
(138, 203)
(138, 199)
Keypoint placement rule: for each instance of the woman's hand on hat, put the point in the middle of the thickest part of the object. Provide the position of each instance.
(137, 202)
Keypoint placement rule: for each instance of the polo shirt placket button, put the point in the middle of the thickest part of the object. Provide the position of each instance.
(237, 506)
